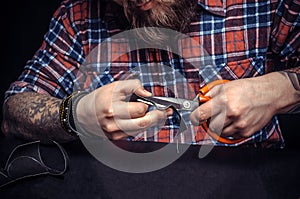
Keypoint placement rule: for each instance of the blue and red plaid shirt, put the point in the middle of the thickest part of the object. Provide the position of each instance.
(240, 38)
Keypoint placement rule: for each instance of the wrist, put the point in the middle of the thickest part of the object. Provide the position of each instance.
(85, 115)
(67, 113)
(282, 91)
(294, 78)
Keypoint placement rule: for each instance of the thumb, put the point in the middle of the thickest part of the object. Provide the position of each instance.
(140, 90)
(132, 86)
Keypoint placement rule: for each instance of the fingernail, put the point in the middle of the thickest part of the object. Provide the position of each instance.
(147, 92)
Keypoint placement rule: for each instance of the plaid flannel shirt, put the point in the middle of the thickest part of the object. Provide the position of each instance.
(241, 39)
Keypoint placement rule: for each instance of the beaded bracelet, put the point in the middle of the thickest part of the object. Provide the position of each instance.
(66, 112)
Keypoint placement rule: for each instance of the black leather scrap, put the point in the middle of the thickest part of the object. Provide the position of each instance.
(33, 159)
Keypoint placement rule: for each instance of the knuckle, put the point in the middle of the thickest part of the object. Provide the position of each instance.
(224, 99)
(145, 122)
(202, 115)
(108, 111)
(226, 133)
(107, 127)
(197, 117)
(137, 82)
(233, 111)
(141, 110)
(242, 125)
(115, 136)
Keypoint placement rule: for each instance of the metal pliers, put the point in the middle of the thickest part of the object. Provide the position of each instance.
(180, 104)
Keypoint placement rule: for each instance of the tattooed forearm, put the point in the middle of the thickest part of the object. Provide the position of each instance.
(34, 116)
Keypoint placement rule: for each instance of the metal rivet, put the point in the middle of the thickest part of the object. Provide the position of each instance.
(186, 104)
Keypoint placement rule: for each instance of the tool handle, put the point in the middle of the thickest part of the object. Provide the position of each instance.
(203, 90)
(219, 138)
(202, 99)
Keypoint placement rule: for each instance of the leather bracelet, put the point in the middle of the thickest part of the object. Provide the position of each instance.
(66, 112)
(73, 122)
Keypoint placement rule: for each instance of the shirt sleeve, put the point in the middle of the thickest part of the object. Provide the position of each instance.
(285, 35)
(53, 67)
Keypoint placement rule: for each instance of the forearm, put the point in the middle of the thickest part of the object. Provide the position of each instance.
(34, 116)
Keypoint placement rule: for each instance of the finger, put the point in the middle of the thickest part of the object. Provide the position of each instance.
(117, 135)
(237, 132)
(117, 128)
(218, 122)
(128, 110)
(114, 125)
(142, 92)
(213, 106)
(131, 110)
(202, 113)
(215, 130)
(230, 130)
(240, 127)
(137, 124)
(131, 86)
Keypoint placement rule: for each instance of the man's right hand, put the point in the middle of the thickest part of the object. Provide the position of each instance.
(106, 111)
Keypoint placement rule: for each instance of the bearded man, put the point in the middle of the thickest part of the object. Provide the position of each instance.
(255, 45)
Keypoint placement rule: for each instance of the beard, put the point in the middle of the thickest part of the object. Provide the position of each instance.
(171, 14)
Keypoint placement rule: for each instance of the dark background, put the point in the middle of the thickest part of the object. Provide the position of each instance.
(23, 26)
(22, 31)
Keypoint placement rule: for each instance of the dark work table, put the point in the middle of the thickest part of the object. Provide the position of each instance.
(223, 173)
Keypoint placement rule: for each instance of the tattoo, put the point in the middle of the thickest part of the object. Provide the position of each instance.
(295, 110)
(294, 70)
(34, 116)
(294, 75)
(295, 79)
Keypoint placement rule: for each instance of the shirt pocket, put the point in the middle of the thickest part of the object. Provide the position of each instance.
(250, 67)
